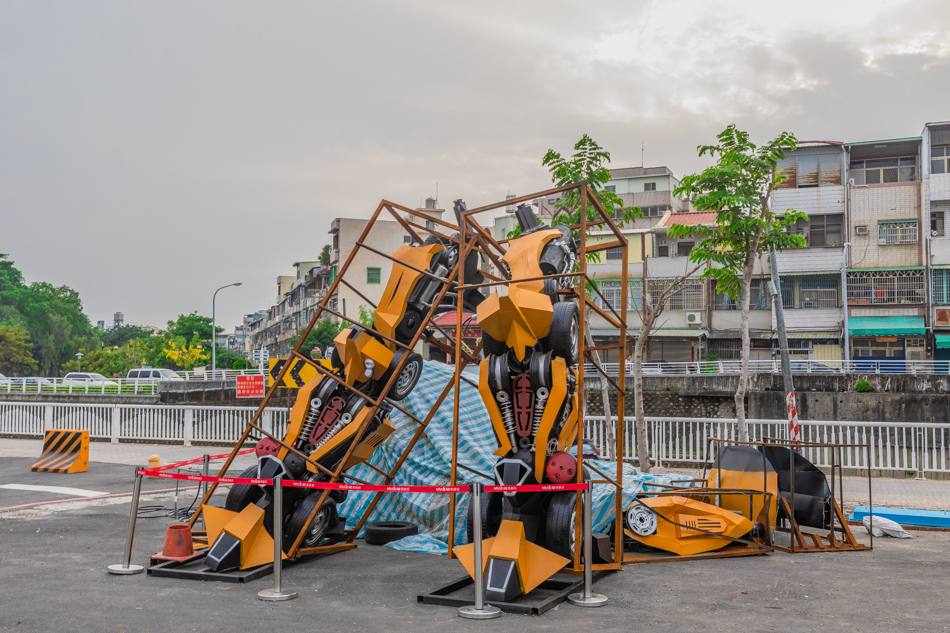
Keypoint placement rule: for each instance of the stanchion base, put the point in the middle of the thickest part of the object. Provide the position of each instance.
(595, 600)
(269, 595)
(122, 570)
(487, 612)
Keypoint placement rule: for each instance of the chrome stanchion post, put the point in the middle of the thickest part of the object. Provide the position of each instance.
(587, 598)
(277, 594)
(480, 610)
(125, 568)
(207, 471)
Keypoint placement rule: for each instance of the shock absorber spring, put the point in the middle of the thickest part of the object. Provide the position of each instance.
(507, 414)
(540, 401)
(342, 422)
(311, 421)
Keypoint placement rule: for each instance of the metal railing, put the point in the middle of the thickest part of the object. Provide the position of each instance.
(918, 447)
(113, 386)
(178, 424)
(855, 366)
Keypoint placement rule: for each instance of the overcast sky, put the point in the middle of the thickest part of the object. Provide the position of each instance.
(154, 151)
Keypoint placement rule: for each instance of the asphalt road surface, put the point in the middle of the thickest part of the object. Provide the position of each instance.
(53, 560)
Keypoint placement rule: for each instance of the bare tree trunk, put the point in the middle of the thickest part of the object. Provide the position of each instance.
(604, 391)
(640, 423)
(743, 386)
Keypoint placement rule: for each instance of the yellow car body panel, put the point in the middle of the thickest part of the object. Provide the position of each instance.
(354, 353)
(551, 409)
(402, 281)
(697, 518)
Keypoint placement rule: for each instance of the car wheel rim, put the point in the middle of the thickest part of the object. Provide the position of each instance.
(318, 527)
(407, 378)
(572, 537)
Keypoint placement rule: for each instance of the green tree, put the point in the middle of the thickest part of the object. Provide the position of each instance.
(188, 326)
(119, 336)
(325, 255)
(321, 336)
(586, 164)
(738, 188)
(107, 361)
(16, 356)
(365, 316)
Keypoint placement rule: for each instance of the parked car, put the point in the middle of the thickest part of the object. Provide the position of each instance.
(808, 366)
(83, 379)
(30, 384)
(152, 374)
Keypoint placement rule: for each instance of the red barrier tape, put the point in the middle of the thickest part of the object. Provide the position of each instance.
(320, 485)
(198, 460)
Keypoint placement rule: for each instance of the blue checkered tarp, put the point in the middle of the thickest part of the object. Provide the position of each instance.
(429, 464)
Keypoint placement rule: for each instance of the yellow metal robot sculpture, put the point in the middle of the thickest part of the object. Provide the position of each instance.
(326, 416)
(528, 384)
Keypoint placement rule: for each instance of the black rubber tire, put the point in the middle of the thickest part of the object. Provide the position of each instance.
(491, 347)
(408, 376)
(242, 495)
(492, 508)
(558, 534)
(499, 379)
(383, 532)
(335, 361)
(322, 522)
(408, 326)
(565, 332)
(540, 370)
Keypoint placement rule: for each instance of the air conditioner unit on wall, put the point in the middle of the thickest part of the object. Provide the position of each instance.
(861, 229)
(694, 318)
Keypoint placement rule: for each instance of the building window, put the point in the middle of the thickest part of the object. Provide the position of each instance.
(760, 299)
(615, 253)
(612, 292)
(936, 223)
(938, 160)
(690, 295)
(815, 170)
(683, 248)
(407, 239)
(884, 287)
(611, 188)
(880, 170)
(663, 250)
(654, 212)
(649, 186)
(724, 348)
(897, 231)
(373, 275)
(871, 347)
(941, 285)
(430, 225)
(820, 230)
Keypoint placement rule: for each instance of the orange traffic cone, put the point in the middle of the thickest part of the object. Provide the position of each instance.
(178, 544)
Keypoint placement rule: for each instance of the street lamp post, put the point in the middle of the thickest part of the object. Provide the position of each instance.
(214, 333)
(79, 356)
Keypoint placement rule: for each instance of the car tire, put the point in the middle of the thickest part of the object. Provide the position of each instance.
(560, 526)
(383, 532)
(565, 332)
(322, 522)
(491, 347)
(492, 508)
(242, 495)
(408, 376)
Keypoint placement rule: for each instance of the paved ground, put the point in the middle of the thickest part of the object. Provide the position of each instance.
(53, 559)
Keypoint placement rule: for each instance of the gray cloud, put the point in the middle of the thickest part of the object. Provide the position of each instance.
(155, 151)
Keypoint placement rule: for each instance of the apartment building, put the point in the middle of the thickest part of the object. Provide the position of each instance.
(935, 168)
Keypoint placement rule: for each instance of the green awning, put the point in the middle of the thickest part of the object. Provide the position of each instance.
(943, 340)
(674, 332)
(886, 326)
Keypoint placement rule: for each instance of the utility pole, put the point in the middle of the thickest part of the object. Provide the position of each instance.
(790, 405)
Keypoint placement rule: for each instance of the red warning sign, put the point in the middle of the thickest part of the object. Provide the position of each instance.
(250, 386)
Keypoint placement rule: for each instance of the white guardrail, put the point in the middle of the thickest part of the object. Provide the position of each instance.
(129, 422)
(113, 386)
(894, 446)
(856, 366)
(919, 447)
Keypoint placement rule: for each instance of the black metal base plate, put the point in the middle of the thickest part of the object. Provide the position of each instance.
(545, 597)
(197, 570)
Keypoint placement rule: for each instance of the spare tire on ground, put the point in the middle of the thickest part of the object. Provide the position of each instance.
(383, 532)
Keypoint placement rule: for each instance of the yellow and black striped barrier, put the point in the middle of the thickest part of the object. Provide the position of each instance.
(64, 451)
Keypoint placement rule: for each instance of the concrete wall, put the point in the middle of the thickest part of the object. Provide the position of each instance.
(823, 319)
(386, 236)
(811, 259)
(940, 186)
